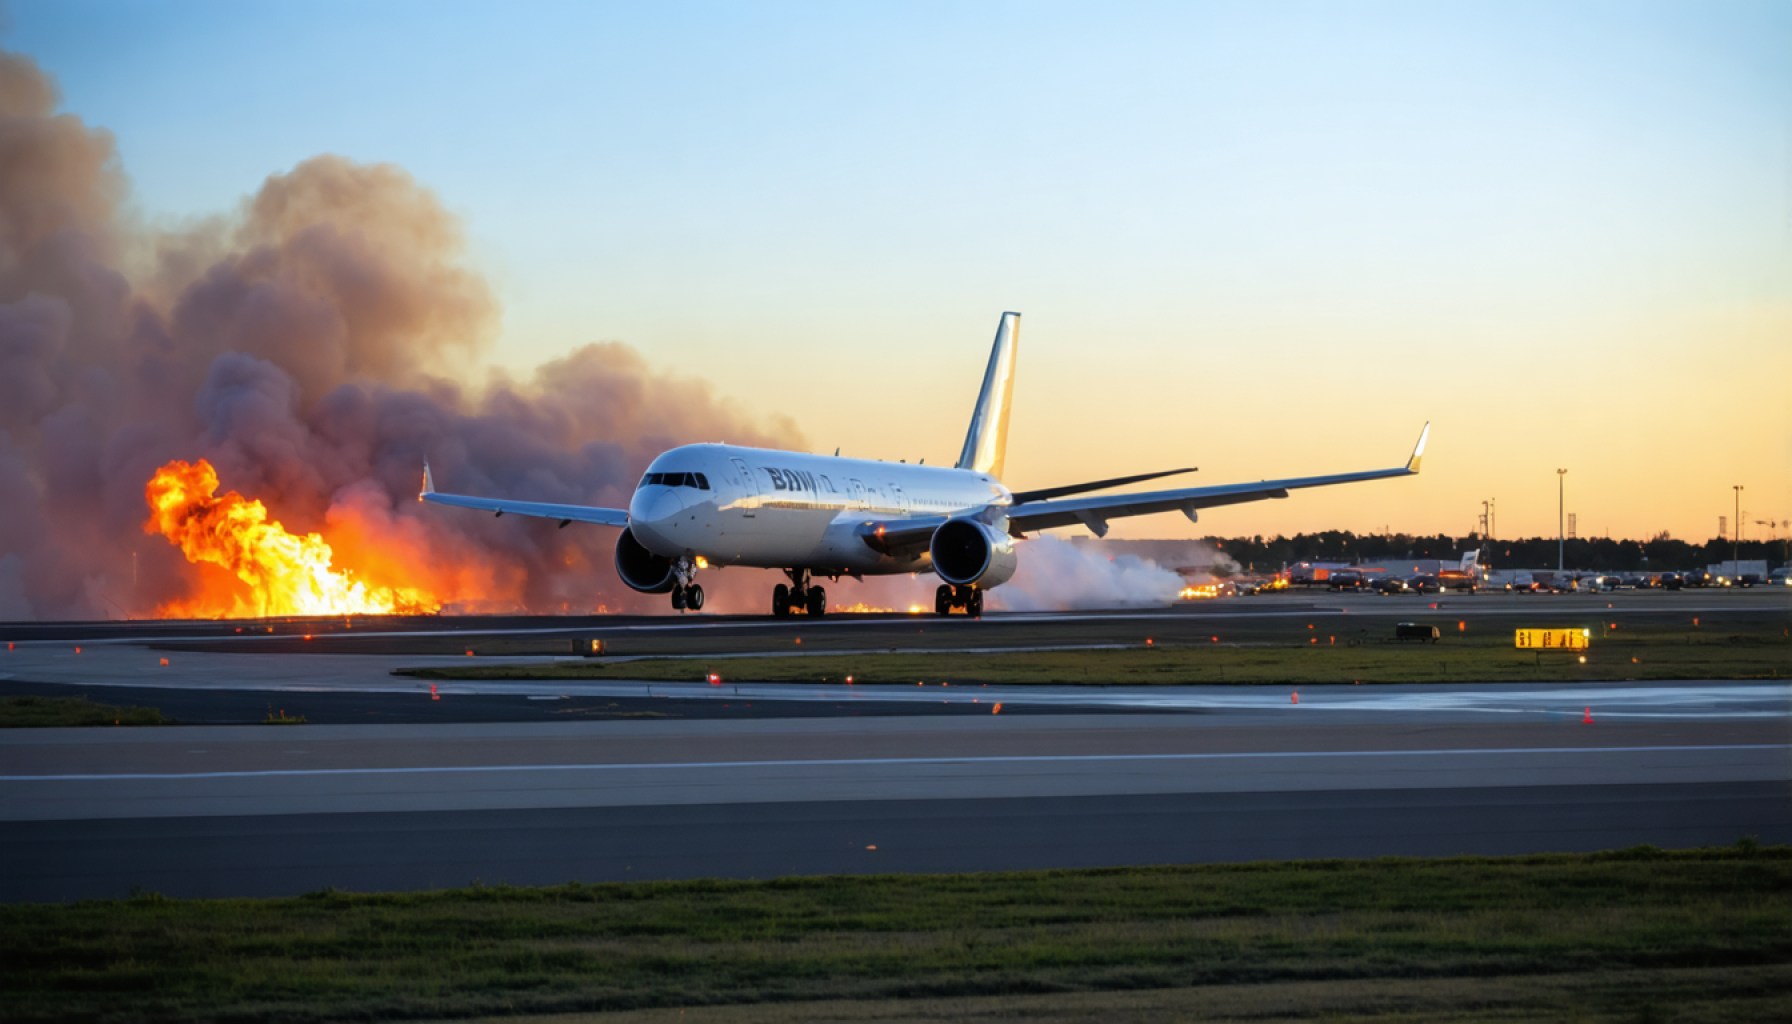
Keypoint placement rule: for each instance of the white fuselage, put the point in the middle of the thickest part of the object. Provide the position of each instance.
(777, 510)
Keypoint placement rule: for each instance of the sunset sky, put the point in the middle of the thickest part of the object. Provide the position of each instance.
(1262, 238)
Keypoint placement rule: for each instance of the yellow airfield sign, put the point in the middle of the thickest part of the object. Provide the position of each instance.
(1554, 639)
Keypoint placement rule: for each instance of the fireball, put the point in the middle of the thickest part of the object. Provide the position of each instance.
(283, 573)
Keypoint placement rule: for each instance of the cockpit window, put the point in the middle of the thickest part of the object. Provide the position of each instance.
(696, 480)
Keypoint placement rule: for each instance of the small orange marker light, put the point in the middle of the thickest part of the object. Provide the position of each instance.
(469, 652)
(1331, 641)
(1295, 699)
(1313, 640)
(77, 650)
(715, 680)
(1215, 639)
(871, 846)
(849, 680)
(1695, 624)
(1461, 626)
(799, 641)
(433, 695)
(164, 662)
(307, 636)
(1586, 716)
(1147, 641)
(997, 709)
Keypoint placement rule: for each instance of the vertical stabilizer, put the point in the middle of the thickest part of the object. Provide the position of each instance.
(986, 443)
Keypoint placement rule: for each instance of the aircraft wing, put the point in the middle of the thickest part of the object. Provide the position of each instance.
(1094, 512)
(540, 509)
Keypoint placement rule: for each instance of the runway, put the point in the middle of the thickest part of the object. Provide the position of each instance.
(506, 782)
(248, 811)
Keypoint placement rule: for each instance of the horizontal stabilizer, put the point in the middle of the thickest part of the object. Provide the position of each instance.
(1022, 497)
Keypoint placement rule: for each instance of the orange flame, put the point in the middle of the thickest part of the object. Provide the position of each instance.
(286, 574)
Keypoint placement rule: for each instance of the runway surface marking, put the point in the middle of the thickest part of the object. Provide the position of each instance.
(853, 762)
(1332, 605)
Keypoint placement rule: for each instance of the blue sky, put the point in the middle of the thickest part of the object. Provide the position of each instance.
(1272, 238)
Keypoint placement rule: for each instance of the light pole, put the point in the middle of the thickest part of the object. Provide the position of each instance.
(1560, 563)
(1736, 535)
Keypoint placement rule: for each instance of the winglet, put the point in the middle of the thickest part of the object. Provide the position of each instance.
(429, 482)
(1418, 450)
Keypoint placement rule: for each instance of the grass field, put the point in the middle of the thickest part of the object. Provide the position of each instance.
(1637, 935)
(1328, 649)
(21, 712)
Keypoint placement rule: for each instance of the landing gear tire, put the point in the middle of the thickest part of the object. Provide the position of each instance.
(693, 597)
(780, 601)
(942, 600)
(973, 605)
(818, 602)
(678, 599)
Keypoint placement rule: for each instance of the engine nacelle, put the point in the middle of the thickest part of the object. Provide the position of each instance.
(640, 568)
(966, 551)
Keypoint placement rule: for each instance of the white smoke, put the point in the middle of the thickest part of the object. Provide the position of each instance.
(1057, 575)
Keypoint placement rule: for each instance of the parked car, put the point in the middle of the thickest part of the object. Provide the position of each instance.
(1390, 585)
(1345, 580)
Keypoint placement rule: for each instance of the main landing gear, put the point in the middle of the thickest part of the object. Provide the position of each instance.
(801, 595)
(948, 597)
(686, 593)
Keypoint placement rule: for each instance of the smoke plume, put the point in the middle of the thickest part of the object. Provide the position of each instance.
(297, 343)
(1058, 574)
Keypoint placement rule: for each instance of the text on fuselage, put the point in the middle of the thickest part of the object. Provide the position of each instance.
(791, 479)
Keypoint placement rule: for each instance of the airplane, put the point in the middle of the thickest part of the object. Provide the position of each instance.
(708, 505)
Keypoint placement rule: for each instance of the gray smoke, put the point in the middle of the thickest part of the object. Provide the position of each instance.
(296, 342)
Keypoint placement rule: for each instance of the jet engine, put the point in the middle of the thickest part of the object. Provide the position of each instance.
(640, 568)
(967, 551)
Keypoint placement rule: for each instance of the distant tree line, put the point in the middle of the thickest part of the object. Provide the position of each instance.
(1662, 552)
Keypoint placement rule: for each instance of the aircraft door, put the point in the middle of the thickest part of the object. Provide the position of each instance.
(749, 504)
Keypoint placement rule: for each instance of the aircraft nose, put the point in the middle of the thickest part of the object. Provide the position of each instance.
(651, 511)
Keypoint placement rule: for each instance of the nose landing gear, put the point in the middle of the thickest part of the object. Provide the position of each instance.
(948, 597)
(686, 593)
(801, 595)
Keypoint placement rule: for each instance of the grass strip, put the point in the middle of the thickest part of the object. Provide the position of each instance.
(1689, 996)
(1700, 928)
(26, 712)
(1292, 655)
